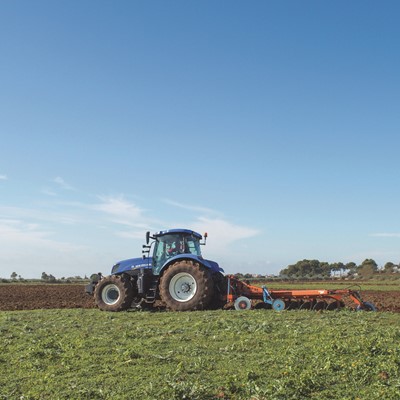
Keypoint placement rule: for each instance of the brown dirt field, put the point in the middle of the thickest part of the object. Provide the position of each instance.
(31, 297)
(385, 301)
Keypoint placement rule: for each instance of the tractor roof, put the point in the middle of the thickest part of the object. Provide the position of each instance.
(174, 231)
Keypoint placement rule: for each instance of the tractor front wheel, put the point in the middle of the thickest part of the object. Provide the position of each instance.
(113, 293)
(186, 286)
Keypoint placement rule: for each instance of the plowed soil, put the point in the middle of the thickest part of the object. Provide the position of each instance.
(30, 297)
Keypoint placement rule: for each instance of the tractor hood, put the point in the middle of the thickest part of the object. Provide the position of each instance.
(130, 264)
(136, 263)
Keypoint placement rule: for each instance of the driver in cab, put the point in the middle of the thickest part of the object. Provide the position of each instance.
(175, 248)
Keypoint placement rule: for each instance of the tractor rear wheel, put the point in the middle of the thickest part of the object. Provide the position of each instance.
(220, 288)
(186, 285)
(113, 293)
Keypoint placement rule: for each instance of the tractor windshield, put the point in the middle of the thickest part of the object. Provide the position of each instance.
(171, 245)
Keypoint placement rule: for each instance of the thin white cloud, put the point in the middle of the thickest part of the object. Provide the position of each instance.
(49, 192)
(200, 209)
(3, 177)
(29, 249)
(61, 183)
(387, 235)
(223, 232)
(31, 214)
(120, 209)
(19, 234)
(123, 212)
(130, 234)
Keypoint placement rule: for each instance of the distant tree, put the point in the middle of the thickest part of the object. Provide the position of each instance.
(14, 276)
(368, 267)
(326, 269)
(44, 277)
(51, 278)
(307, 268)
(351, 265)
(369, 262)
(351, 268)
(389, 267)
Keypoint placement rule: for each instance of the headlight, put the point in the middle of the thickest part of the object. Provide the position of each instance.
(115, 268)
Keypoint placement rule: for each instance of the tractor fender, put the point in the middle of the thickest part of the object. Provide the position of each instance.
(211, 265)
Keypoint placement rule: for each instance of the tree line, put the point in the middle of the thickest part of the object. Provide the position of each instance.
(45, 277)
(321, 269)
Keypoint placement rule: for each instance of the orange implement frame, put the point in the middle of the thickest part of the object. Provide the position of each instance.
(237, 288)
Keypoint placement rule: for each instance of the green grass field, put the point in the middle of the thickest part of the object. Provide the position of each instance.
(258, 354)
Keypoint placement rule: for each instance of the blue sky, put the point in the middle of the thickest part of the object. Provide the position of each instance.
(273, 126)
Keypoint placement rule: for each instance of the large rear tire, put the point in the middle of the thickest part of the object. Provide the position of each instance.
(113, 293)
(220, 288)
(186, 286)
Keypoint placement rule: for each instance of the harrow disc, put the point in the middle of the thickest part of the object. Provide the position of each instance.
(293, 305)
(332, 306)
(335, 306)
(319, 306)
(306, 306)
(262, 306)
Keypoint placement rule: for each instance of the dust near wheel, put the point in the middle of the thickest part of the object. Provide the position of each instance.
(113, 293)
(185, 286)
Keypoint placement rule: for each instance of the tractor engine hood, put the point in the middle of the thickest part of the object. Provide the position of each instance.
(137, 263)
(131, 264)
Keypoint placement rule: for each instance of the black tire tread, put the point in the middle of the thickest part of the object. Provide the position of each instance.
(205, 286)
(125, 288)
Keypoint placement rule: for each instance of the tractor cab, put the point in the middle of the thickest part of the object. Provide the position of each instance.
(172, 244)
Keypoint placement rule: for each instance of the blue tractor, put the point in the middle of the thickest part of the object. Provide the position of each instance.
(175, 273)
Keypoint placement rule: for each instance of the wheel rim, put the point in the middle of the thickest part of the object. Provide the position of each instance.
(278, 305)
(110, 294)
(182, 287)
(242, 303)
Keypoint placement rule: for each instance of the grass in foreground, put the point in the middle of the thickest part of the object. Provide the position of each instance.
(88, 354)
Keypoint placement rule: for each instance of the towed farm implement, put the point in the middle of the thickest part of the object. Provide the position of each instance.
(242, 293)
(178, 275)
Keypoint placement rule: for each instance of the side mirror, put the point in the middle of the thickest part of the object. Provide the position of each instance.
(147, 237)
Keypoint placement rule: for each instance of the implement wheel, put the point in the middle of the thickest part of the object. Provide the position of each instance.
(186, 286)
(113, 293)
(278, 305)
(242, 303)
(367, 306)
